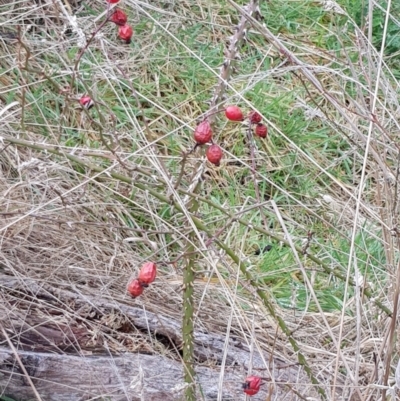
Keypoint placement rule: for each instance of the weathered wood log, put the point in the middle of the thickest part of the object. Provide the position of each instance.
(208, 346)
(129, 377)
(78, 377)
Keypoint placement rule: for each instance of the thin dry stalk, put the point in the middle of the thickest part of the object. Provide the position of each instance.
(21, 365)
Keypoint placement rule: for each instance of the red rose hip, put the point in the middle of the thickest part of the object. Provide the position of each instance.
(261, 130)
(234, 113)
(147, 273)
(112, 1)
(119, 17)
(125, 33)
(135, 288)
(86, 102)
(214, 154)
(252, 385)
(203, 133)
(255, 117)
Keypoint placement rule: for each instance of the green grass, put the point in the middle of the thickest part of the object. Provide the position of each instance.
(287, 284)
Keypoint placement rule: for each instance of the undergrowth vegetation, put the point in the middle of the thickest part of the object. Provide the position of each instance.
(290, 244)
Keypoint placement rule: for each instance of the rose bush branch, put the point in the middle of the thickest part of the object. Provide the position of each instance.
(203, 134)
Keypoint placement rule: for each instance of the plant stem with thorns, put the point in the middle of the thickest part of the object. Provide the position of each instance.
(188, 313)
(188, 273)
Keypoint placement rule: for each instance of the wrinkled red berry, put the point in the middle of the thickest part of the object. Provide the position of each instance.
(125, 32)
(214, 154)
(112, 1)
(135, 288)
(261, 130)
(252, 385)
(86, 102)
(234, 113)
(203, 133)
(255, 117)
(147, 273)
(119, 17)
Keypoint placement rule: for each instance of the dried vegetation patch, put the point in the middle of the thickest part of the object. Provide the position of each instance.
(293, 238)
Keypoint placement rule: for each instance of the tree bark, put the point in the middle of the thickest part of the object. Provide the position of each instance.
(129, 377)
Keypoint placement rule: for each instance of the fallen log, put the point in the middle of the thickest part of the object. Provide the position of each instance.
(69, 370)
(129, 377)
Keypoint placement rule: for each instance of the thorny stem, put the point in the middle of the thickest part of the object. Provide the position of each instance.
(188, 314)
(188, 301)
(188, 274)
(75, 74)
(230, 55)
(183, 163)
(271, 309)
(188, 279)
(90, 40)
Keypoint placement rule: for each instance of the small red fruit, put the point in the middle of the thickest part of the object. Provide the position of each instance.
(261, 130)
(147, 273)
(255, 117)
(86, 102)
(112, 1)
(214, 154)
(119, 17)
(203, 133)
(252, 385)
(234, 113)
(125, 32)
(135, 288)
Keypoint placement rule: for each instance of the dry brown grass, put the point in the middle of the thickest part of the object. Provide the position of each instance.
(72, 235)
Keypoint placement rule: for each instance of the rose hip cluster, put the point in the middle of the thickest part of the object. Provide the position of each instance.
(203, 133)
(234, 113)
(119, 18)
(146, 276)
